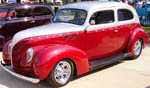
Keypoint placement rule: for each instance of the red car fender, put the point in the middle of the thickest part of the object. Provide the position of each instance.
(47, 59)
(136, 34)
(5, 54)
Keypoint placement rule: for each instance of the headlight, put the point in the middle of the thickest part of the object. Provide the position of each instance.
(29, 54)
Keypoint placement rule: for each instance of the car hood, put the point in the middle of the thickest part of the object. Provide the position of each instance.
(53, 28)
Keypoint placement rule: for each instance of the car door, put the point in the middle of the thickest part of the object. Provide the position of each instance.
(125, 26)
(42, 15)
(18, 19)
(100, 36)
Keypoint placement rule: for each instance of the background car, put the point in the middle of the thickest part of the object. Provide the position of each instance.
(144, 14)
(14, 18)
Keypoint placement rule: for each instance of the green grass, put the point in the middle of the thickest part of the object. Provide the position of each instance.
(147, 29)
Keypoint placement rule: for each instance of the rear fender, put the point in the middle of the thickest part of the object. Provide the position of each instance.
(136, 34)
(48, 57)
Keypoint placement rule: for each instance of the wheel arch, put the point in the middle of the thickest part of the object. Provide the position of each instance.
(74, 65)
(47, 59)
(136, 34)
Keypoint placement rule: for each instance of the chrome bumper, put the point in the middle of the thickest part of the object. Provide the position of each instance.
(29, 79)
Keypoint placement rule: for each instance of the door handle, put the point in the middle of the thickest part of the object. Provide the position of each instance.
(115, 30)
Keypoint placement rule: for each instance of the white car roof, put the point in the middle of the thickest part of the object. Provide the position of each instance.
(91, 5)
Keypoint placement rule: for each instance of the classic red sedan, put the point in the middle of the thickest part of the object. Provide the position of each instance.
(83, 37)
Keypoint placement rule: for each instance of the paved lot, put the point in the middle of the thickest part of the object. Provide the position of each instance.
(125, 74)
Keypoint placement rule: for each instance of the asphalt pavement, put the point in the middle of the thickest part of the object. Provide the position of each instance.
(124, 74)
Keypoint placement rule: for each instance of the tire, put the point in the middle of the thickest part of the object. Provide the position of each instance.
(61, 73)
(137, 49)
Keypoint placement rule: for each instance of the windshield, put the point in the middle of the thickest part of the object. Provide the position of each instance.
(73, 16)
(3, 12)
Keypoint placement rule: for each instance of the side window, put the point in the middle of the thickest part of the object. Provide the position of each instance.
(102, 17)
(19, 13)
(39, 11)
(124, 14)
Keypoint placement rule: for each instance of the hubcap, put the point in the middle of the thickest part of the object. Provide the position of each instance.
(62, 72)
(137, 47)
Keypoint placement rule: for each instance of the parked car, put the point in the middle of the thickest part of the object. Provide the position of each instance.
(144, 13)
(84, 36)
(14, 18)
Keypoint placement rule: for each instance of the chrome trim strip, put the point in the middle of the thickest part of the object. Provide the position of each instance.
(29, 79)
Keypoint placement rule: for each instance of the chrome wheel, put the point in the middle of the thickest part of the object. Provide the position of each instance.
(62, 72)
(137, 48)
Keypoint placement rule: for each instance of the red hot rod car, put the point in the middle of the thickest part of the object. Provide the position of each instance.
(83, 37)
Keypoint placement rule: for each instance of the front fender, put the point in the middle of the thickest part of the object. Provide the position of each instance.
(136, 34)
(48, 57)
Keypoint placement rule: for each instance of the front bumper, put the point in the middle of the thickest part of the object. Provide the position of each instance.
(29, 79)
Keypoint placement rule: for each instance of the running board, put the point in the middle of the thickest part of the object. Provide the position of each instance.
(95, 64)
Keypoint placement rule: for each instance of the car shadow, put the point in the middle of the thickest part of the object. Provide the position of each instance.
(10, 81)
(97, 70)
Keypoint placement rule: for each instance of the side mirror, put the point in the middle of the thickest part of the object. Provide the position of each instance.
(92, 22)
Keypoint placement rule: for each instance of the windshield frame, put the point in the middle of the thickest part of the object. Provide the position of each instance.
(70, 9)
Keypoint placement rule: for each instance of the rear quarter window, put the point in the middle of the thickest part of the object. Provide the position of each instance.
(124, 14)
(20, 13)
(103, 17)
(40, 11)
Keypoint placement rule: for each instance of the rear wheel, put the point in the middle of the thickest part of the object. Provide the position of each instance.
(137, 49)
(61, 73)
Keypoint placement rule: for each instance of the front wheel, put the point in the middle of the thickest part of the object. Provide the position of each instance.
(137, 49)
(61, 73)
